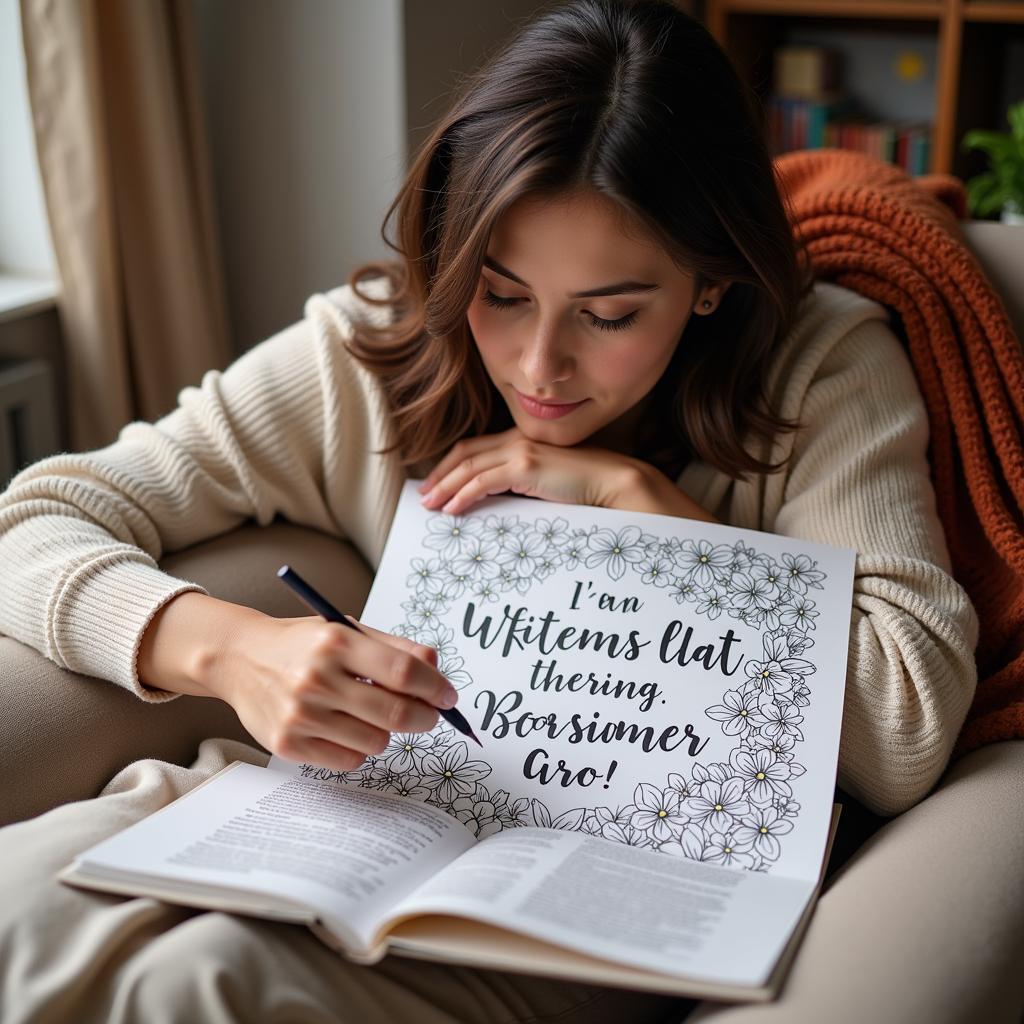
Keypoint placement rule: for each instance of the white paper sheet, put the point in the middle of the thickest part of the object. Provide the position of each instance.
(666, 683)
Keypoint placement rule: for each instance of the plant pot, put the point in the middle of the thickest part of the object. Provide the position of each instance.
(1012, 213)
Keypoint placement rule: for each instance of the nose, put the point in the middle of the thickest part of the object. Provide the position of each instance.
(546, 359)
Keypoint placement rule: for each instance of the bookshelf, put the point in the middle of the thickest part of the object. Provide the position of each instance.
(971, 41)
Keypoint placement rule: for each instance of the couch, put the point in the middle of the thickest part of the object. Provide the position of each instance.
(957, 856)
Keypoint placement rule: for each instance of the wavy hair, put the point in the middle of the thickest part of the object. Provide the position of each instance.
(636, 101)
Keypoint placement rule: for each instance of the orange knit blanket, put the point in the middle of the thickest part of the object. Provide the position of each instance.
(869, 227)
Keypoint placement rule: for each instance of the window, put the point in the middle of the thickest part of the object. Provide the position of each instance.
(27, 266)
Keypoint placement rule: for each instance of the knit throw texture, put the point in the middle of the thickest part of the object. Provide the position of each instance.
(869, 227)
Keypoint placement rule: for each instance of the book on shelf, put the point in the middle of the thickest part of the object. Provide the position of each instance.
(806, 71)
(800, 122)
(834, 122)
(659, 703)
(808, 109)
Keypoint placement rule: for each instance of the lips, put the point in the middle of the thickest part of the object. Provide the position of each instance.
(548, 401)
(546, 410)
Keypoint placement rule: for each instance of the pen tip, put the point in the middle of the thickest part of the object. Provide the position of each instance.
(478, 743)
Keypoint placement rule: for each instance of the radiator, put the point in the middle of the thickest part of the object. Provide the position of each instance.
(28, 415)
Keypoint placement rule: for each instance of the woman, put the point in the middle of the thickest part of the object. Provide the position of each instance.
(599, 300)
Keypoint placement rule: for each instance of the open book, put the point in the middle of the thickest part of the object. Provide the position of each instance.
(659, 702)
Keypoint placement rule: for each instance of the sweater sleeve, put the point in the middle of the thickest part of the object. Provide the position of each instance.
(81, 533)
(859, 477)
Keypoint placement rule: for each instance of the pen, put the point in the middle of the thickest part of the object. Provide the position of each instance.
(323, 607)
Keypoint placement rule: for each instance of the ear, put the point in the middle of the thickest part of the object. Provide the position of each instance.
(710, 297)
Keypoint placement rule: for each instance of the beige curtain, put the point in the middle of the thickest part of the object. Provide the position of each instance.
(114, 88)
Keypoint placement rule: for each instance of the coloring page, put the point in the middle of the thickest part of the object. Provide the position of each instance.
(662, 682)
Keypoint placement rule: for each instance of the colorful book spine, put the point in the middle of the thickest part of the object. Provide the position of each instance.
(834, 122)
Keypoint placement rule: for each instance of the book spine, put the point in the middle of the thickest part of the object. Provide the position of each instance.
(816, 125)
(913, 146)
(901, 149)
(889, 143)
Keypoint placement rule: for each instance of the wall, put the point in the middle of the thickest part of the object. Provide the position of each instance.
(868, 60)
(312, 108)
(305, 113)
(445, 39)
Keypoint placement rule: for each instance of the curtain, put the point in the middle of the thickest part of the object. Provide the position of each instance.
(115, 93)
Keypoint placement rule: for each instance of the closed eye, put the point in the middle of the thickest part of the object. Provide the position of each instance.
(620, 325)
(498, 301)
(502, 302)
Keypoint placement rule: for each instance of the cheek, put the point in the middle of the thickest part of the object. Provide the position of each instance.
(634, 365)
(484, 333)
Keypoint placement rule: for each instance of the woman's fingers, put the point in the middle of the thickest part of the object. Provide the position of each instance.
(388, 711)
(293, 687)
(362, 722)
(325, 753)
(353, 741)
(393, 667)
(462, 450)
(461, 477)
(422, 651)
(480, 484)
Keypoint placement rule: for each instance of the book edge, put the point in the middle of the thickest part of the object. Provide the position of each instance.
(581, 967)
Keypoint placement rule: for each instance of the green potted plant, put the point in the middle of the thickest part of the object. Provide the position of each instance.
(1002, 187)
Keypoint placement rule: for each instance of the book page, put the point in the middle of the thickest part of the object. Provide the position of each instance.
(347, 854)
(632, 906)
(665, 683)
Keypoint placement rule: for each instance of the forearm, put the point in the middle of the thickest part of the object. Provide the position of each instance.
(185, 643)
(910, 680)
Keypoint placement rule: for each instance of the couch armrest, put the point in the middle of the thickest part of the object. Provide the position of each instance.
(63, 735)
(999, 249)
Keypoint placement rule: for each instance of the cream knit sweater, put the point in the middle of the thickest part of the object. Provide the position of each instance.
(286, 429)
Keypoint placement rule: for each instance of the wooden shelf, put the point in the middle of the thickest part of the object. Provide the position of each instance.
(1010, 13)
(929, 10)
(967, 40)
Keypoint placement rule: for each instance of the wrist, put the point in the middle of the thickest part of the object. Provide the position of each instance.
(222, 658)
(188, 642)
(631, 485)
(643, 488)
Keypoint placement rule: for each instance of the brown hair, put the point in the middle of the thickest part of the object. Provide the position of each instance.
(636, 101)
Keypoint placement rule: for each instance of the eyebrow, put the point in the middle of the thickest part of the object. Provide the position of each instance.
(621, 288)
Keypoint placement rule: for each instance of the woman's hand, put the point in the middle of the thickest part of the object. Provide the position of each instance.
(294, 686)
(510, 461)
(578, 475)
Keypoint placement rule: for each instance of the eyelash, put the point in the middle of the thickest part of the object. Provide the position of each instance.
(498, 302)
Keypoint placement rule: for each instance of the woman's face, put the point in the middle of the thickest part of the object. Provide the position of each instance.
(572, 309)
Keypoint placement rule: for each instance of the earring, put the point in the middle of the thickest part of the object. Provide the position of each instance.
(707, 304)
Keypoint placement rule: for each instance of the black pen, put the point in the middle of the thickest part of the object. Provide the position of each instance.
(323, 607)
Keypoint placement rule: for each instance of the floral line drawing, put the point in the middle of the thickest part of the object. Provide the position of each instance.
(730, 812)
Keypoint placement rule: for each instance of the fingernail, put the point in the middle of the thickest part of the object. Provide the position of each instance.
(423, 485)
(449, 698)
